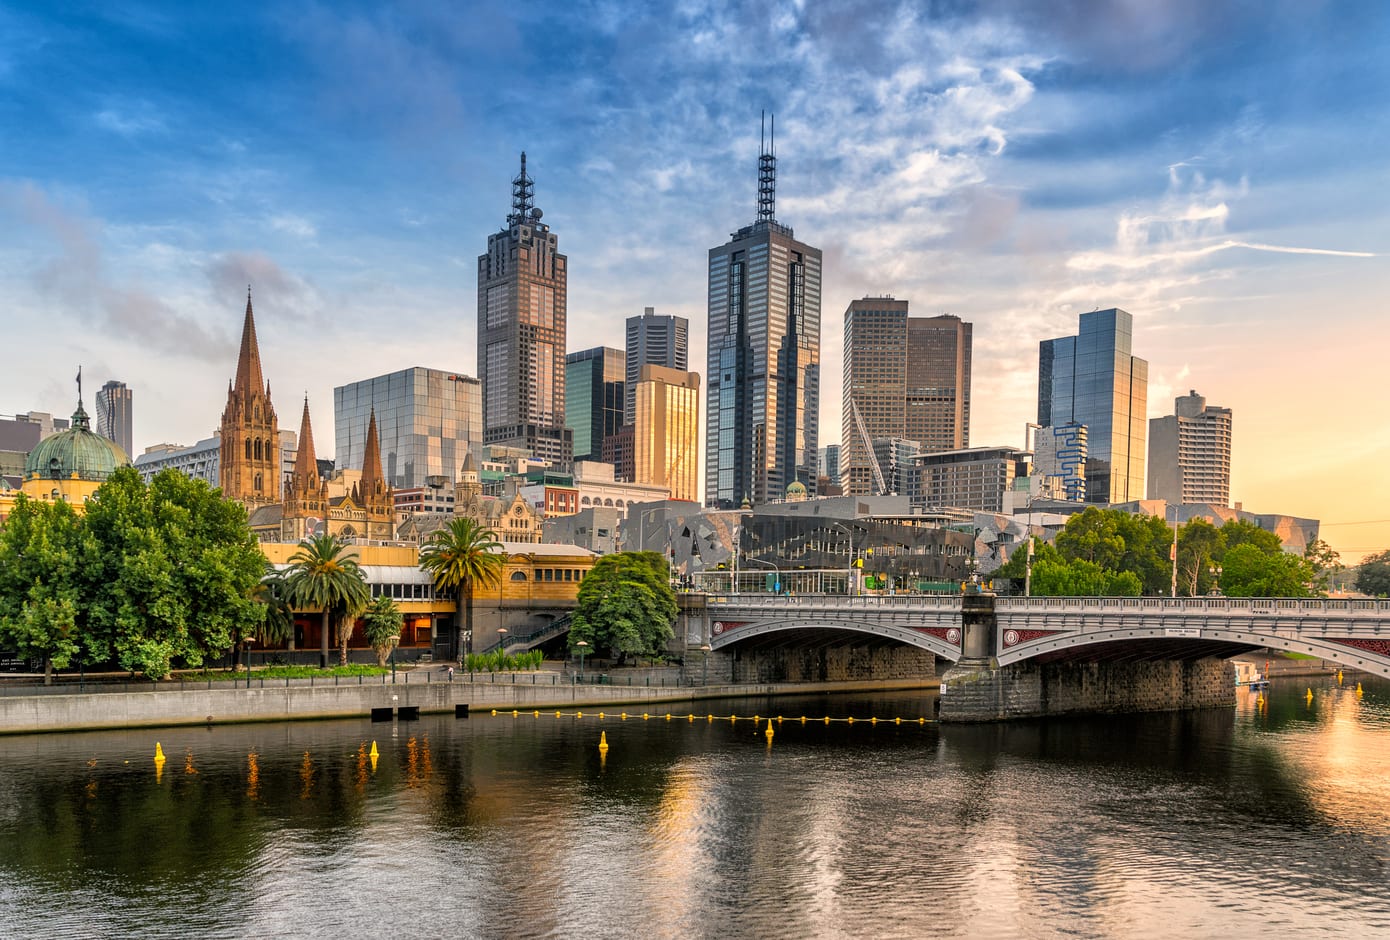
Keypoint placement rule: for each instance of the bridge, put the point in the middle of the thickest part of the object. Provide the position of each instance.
(1066, 653)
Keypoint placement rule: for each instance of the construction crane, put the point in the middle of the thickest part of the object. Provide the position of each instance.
(868, 447)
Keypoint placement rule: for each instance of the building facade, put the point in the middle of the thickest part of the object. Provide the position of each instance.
(874, 388)
(1190, 453)
(594, 394)
(666, 433)
(973, 478)
(249, 465)
(1059, 457)
(115, 413)
(937, 411)
(653, 340)
(764, 358)
(522, 285)
(427, 422)
(1094, 379)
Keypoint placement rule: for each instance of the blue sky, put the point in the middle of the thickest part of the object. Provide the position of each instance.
(1217, 169)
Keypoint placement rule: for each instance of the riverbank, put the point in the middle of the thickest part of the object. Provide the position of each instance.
(39, 714)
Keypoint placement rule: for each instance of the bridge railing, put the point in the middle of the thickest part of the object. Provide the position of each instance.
(1327, 605)
(840, 601)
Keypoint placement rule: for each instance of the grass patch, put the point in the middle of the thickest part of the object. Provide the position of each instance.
(282, 672)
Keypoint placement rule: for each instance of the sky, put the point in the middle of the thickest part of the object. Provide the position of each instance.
(1215, 168)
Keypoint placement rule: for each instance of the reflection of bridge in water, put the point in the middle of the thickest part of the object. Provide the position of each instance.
(1065, 653)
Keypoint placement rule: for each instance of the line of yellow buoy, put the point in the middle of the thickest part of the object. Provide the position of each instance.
(734, 719)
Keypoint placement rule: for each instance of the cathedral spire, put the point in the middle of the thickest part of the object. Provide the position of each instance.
(371, 459)
(306, 465)
(248, 364)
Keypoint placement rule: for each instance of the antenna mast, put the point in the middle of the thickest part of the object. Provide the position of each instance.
(523, 194)
(767, 171)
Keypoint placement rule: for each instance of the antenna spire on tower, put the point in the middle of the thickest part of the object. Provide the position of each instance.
(523, 193)
(767, 171)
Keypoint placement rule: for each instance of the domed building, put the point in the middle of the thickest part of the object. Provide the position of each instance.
(71, 464)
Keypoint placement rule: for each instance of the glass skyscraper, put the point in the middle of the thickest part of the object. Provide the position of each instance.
(594, 380)
(764, 358)
(1094, 379)
(521, 332)
(427, 419)
(653, 340)
(114, 414)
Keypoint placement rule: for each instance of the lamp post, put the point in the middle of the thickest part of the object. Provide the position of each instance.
(849, 568)
(1216, 583)
(704, 672)
(769, 564)
(502, 639)
(583, 648)
(394, 641)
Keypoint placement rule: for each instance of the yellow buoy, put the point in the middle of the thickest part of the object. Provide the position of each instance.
(898, 720)
(600, 714)
(645, 716)
(779, 719)
(921, 721)
(158, 753)
(624, 716)
(373, 752)
(690, 717)
(579, 714)
(709, 718)
(827, 719)
(755, 719)
(537, 713)
(1358, 690)
(668, 716)
(769, 731)
(873, 721)
(557, 714)
(733, 718)
(514, 712)
(494, 713)
(850, 719)
(1310, 695)
(803, 719)
(603, 741)
(1339, 677)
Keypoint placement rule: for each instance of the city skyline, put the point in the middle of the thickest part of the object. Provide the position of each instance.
(1208, 168)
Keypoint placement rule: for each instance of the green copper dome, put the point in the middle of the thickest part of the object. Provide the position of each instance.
(76, 452)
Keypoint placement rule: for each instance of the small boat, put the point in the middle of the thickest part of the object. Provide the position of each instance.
(1249, 676)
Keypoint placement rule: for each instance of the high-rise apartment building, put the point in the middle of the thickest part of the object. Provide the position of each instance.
(521, 332)
(427, 420)
(972, 478)
(937, 413)
(594, 382)
(114, 413)
(653, 340)
(1059, 457)
(666, 430)
(904, 378)
(829, 461)
(1094, 379)
(1190, 453)
(761, 421)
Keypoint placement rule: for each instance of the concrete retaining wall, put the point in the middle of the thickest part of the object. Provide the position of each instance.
(972, 691)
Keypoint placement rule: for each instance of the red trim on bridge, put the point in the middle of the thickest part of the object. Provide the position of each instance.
(1370, 646)
(951, 635)
(1015, 637)
(724, 626)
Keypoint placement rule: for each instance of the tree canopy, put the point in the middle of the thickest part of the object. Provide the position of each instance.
(460, 557)
(625, 606)
(323, 573)
(1373, 576)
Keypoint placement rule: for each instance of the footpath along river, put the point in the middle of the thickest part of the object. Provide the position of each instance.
(1272, 818)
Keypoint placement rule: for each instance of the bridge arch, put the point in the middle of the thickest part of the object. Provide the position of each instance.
(944, 643)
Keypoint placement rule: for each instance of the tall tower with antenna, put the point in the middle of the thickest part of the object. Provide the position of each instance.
(521, 332)
(761, 423)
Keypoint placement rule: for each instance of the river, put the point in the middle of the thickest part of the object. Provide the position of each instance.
(1273, 817)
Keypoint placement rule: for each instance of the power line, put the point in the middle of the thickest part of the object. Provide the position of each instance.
(1362, 522)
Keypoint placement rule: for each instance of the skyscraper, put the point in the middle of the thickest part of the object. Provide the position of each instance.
(1094, 379)
(427, 420)
(906, 378)
(594, 381)
(764, 357)
(114, 413)
(666, 433)
(521, 332)
(938, 382)
(1190, 453)
(653, 340)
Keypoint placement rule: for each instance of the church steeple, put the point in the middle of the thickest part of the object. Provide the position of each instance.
(248, 363)
(306, 464)
(371, 459)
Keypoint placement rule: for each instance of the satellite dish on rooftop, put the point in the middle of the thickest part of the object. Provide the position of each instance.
(536, 214)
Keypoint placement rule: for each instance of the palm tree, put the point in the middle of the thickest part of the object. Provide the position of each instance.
(277, 625)
(323, 574)
(459, 557)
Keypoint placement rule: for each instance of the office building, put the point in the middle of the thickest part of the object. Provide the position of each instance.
(937, 412)
(1059, 458)
(594, 382)
(666, 430)
(114, 414)
(1094, 379)
(896, 456)
(1190, 453)
(426, 421)
(201, 461)
(653, 340)
(764, 357)
(521, 332)
(904, 377)
(972, 478)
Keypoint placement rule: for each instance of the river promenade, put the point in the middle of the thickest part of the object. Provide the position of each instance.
(214, 703)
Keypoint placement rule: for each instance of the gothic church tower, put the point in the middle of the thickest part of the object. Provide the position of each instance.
(306, 495)
(371, 493)
(249, 469)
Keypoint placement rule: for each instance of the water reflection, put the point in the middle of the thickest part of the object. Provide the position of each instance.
(1274, 814)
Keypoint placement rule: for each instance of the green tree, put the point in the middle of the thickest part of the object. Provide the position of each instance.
(1373, 576)
(1093, 535)
(1200, 544)
(324, 574)
(171, 573)
(461, 557)
(1325, 562)
(1238, 532)
(1056, 577)
(1249, 571)
(1148, 544)
(40, 556)
(382, 622)
(625, 605)
(277, 620)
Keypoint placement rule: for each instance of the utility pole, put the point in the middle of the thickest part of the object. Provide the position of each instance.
(1173, 552)
(1028, 569)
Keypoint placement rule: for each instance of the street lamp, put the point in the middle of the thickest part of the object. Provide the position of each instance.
(1216, 580)
(849, 568)
(769, 564)
(502, 638)
(394, 641)
(704, 672)
(583, 648)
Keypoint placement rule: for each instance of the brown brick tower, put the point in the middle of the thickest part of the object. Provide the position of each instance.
(250, 462)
